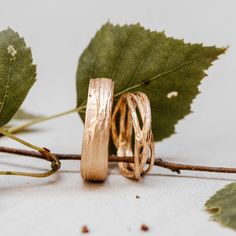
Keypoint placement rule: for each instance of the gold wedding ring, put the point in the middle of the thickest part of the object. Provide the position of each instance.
(94, 157)
(133, 113)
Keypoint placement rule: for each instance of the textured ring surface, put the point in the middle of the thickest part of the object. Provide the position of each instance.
(94, 157)
(133, 113)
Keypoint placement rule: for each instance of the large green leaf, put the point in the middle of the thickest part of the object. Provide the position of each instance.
(167, 70)
(17, 73)
(222, 206)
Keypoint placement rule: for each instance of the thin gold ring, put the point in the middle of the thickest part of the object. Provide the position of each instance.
(134, 113)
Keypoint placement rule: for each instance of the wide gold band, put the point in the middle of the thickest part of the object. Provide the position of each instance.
(94, 160)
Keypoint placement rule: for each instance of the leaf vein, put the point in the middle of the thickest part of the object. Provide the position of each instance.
(175, 68)
(123, 48)
(6, 87)
(142, 62)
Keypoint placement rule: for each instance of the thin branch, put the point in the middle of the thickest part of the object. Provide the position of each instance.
(158, 162)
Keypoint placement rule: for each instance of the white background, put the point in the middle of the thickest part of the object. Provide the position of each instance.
(169, 204)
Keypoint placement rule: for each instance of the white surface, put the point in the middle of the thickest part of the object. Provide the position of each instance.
(58, 31)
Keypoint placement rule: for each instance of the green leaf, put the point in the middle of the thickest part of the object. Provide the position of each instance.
(222, 206)
(167, 70)
(17, 73)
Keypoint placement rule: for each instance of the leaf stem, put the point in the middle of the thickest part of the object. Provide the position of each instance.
(44, 118)
(43, 152)
(158, 162)
(29, 174)
(11, 136)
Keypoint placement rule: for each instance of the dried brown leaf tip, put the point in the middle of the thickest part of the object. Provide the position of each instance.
(144, 228)
(85, 229)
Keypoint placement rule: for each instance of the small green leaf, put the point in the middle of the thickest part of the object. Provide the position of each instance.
(167, 70)
(222, 206)
(17, 73)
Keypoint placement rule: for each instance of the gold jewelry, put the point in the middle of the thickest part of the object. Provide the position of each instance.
(131, 110)
(94, 157)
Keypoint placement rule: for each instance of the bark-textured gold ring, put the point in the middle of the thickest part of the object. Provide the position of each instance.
(133, 113)
(94, 157)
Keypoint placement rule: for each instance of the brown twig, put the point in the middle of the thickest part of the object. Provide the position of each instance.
(158, 162)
